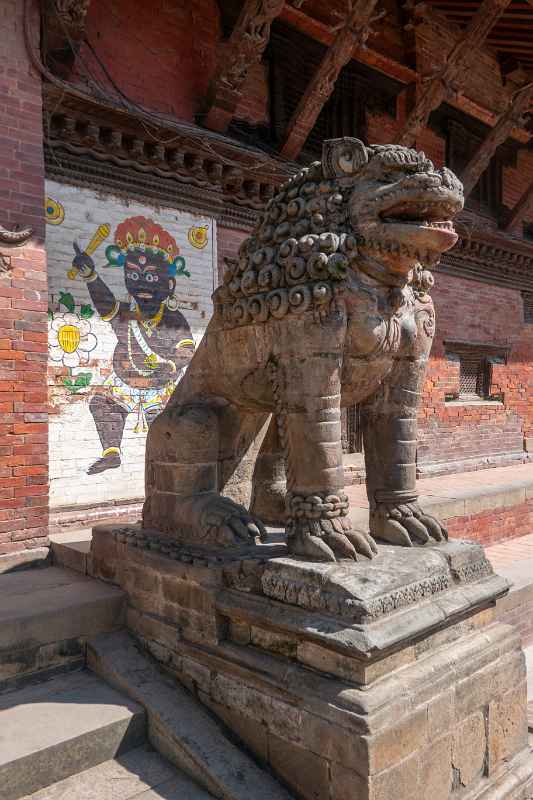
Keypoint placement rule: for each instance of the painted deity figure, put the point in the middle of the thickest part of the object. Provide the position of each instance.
(154, 343)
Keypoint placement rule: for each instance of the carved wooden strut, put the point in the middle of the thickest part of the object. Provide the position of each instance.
(245, 47)
(354, 32)
(452, 77)
(519, 211)
(511, 118)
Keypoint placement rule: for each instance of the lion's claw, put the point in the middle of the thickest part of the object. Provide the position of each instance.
(405, 524)
(330, 540)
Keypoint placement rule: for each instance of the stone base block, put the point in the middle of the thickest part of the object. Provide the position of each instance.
(366, 681)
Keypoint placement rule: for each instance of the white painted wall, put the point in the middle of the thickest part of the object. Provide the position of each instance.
(74, 443)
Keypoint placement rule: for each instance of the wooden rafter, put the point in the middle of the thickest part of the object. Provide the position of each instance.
(511, 118)
(519, 211)
(318, 30)
(354, 31)
(455, 70)
(244, 48)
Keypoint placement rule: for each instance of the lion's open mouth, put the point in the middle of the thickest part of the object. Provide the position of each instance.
(436, 215)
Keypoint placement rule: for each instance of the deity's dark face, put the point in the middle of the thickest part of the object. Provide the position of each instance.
(147, 280)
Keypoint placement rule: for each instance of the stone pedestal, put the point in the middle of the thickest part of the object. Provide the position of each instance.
(367, 681)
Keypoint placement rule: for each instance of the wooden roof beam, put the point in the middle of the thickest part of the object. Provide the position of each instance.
(243, 49)
(454, 72)
(353, 32)
(511, 118)
(519, 211)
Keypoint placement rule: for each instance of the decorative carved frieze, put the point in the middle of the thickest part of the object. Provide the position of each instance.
(244, 48)
(511, 118)
(223, 170)
(453, 75)
(354, 31)
(491, 258)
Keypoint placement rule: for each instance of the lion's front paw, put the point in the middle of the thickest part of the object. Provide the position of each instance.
(226, 524)
(405, 524)
(329, 540)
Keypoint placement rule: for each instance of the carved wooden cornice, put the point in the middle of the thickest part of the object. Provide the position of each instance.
(452, 76)
(490, 258)
(227, 170)
(511, 118)
(354, 32)
(245, 47)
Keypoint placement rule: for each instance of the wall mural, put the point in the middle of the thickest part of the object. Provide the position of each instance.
(119, 334)
(154, 339)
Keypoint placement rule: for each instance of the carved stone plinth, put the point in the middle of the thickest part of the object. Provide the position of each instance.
(371, 680)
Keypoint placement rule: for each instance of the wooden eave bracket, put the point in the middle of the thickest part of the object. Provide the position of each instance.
(244, 48)
(455, 71)
(519, 211)
(353, 33)
(510, 119)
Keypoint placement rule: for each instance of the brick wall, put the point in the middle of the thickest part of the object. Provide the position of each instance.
(161, 56)
(85, 386)
(228, 243)
(23, 408)
(452, 434)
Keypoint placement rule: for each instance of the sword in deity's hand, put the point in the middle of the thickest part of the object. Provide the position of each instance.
(101, 233)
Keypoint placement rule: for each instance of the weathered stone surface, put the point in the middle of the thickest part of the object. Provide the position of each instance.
(306, 773)
(435, 770)
(469, 747)
(507, 725)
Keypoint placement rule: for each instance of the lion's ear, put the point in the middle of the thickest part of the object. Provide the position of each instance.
(343, 157)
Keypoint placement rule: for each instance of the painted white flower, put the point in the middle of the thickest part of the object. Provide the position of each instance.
(70, 339)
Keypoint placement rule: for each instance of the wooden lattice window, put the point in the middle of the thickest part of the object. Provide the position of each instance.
(527, 299)
(475, 370)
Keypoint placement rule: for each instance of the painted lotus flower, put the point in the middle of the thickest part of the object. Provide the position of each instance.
(70, 339)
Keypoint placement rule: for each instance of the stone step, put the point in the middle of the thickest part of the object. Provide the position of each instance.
(140, 774)
(57, 728)
(46, 616)
(179, 727)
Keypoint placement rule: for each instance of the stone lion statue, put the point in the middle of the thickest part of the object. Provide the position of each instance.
(326, 306)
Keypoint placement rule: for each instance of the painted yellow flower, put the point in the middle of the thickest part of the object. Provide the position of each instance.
(70, 339)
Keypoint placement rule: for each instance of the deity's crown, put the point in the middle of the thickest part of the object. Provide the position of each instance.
(145, 234)
(141, 233)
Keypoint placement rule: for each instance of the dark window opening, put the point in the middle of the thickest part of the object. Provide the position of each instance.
(527, 231)
(527, 299)
(352, 434)
(475, 370)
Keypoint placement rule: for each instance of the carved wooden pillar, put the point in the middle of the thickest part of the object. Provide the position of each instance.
(519, 211)
(354, 32)
(455, 71)
(511, 118)
(244, 48)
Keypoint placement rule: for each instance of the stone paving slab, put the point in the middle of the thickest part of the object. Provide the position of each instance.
(141, 774)
(54, 604)
(57, 728)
